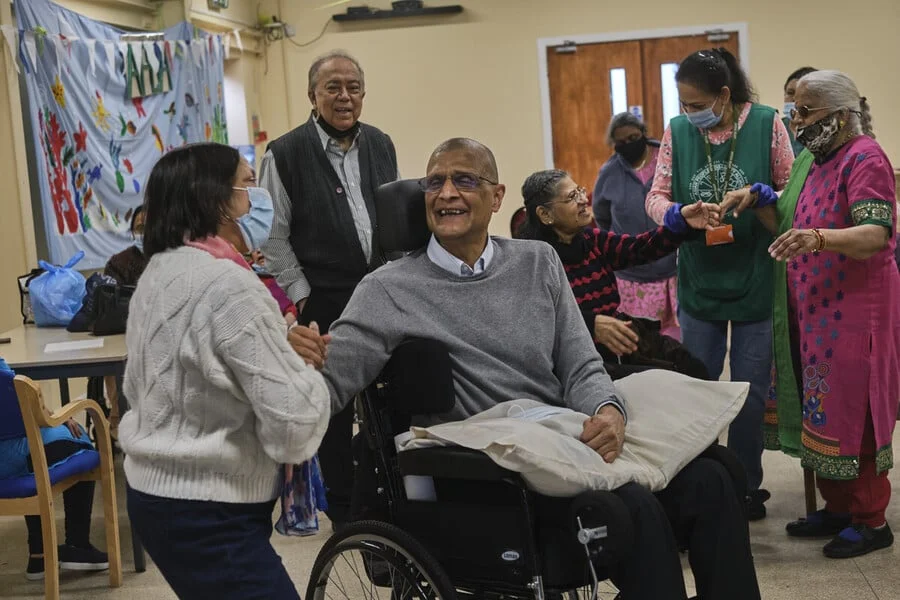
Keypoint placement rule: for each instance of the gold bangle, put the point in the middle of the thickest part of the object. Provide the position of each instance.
(820, 241)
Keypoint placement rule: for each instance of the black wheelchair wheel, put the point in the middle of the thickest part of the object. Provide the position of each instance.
(603, 509)
(370, 560)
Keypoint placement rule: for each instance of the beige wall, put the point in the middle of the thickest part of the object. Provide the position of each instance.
(476, 74)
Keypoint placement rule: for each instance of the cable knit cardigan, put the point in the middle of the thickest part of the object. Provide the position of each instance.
(219, 398)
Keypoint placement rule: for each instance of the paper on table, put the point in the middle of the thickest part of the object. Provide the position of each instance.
(73, 346)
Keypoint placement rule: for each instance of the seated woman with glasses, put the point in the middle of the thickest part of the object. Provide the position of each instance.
(559, 213)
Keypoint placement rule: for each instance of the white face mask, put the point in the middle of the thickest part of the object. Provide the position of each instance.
(788, 107)
(256, 225)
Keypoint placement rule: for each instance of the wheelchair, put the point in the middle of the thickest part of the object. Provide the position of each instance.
(483, 534)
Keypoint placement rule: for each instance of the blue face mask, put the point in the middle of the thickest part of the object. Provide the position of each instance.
(788, 107)
(139, 243)
(256, 224)
(706, 118)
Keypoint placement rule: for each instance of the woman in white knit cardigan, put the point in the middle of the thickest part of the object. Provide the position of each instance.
(220, 395)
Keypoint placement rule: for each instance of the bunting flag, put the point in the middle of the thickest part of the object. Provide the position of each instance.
(150, 51)
(111, 52)
(197, 50)
(58, 44)
(64, 28)
(31, 49)
(92, 56)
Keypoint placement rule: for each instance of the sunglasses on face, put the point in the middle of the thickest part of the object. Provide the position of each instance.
(464, 182)
(804, 111)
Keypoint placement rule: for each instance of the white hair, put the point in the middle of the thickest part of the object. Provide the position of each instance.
(313, 79)
(836, 89)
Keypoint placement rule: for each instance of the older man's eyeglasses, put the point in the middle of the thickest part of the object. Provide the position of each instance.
(804, 111)
(464, 182)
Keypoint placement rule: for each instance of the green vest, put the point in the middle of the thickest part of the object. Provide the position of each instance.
(731, 282)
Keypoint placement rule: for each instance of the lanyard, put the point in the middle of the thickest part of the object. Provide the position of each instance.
(713, 178)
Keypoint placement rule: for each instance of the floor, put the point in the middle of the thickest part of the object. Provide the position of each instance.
(787, 569)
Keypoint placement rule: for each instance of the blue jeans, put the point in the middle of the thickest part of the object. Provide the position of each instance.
(751, 361)
(211, 549)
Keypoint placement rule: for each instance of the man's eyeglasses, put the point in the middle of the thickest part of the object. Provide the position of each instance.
(464, 182)
(804, 111)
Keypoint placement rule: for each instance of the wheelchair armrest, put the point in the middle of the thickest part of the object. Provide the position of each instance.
(452, 462)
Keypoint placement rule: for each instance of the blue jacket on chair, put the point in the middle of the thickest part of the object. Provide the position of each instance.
(13, 443)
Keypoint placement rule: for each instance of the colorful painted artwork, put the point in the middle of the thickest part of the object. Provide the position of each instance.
(95, 143)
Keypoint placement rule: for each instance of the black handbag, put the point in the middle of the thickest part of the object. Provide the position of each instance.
(24, 299)
(111, 308)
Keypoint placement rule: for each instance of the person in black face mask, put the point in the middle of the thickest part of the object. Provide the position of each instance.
(649, 290)
(322, 177)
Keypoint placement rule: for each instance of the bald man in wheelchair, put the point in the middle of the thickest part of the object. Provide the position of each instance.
(507, 316)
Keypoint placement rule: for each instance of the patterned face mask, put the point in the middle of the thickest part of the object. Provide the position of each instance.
(819, 137)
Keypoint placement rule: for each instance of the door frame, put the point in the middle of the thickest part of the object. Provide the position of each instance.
(741, 28)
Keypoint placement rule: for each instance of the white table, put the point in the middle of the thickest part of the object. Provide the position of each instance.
(26, 356)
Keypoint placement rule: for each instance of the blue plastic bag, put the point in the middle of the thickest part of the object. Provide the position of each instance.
(56, 295)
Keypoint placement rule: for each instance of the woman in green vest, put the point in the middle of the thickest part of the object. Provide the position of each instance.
(725, 141)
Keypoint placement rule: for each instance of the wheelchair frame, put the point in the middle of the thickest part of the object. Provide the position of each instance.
(375, 425)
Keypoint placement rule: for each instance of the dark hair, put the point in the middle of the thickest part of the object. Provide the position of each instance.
(188, 194)
(799, 73)
(711, 70)
(139, 210)
(539, 189)
(625, 119)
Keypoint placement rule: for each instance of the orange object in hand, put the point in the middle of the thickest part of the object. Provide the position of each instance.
(720, 235)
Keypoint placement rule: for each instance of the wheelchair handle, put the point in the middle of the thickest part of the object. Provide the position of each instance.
(586, 536)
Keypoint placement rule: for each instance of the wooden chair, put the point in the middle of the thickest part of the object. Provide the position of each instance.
(34, 495)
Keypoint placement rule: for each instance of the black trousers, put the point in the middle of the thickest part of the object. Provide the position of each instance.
(211, 549)
(78, 501)
(335, 454)
(700, 512)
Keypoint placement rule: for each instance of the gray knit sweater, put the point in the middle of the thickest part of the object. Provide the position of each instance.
(514, 331)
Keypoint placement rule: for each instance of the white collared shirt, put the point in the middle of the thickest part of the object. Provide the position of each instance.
(439, 256)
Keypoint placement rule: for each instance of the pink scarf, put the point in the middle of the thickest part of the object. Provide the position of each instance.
(219, 248)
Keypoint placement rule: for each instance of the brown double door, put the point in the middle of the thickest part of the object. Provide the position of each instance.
(590, 82)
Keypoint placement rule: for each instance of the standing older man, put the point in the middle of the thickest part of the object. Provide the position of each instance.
(323, 176)
(505, 312)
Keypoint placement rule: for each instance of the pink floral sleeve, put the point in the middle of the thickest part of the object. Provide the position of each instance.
(782, 155)
(660, 197)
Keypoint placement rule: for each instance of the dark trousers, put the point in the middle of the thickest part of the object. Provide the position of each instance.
(78, 501)
(335, 454)
(698, 511)
(211, 549)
